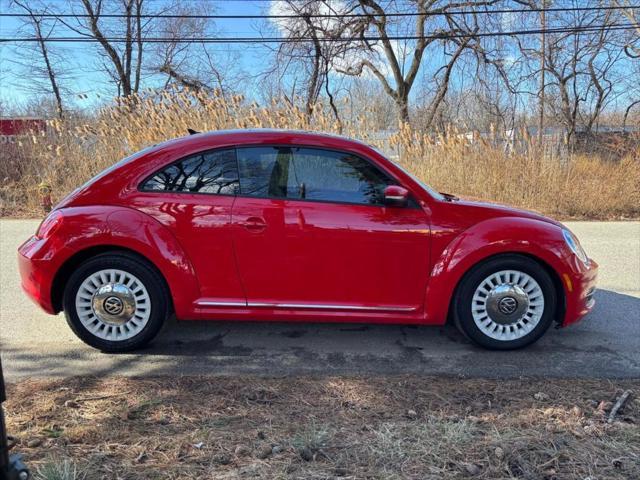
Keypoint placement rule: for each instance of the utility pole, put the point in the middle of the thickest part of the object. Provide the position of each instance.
(543, 50)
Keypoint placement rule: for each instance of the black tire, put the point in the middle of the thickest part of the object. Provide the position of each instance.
(150, 278)
(463, 299)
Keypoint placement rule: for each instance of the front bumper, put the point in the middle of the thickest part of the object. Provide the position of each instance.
(37, 272)
(579, 287)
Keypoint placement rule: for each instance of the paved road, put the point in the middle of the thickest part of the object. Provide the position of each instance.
(605, 344)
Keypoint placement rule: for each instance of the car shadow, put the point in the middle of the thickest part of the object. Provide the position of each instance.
(603, 344)
(241, 337)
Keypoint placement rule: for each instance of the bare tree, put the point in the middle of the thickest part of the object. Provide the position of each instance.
(632, 47)
(473, 84)
(367, 96)
(326, 32)
(192, 64)
(581, 68)
(397, 66)
(478, 100)
(184, 80)
(41, 31)
(630, 13)
(124, 59)
(442, 84)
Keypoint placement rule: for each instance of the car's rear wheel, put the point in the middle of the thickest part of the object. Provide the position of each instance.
(115, 302)
(505, 303)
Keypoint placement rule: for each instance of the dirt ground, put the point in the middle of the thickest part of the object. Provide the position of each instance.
(353, 427)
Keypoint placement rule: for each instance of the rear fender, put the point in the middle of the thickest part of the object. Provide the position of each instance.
(89, 227)
(538, 239)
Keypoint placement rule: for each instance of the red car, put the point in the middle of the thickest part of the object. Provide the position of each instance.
(291, 226)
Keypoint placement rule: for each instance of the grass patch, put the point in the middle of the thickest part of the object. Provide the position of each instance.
(59, 469)
(352, 427)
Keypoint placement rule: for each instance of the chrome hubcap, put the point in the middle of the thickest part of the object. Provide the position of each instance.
(113, 304)
(507, 305)
(506, 302)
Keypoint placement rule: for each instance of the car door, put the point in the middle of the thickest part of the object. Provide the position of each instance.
(193, 198)
(311, 231)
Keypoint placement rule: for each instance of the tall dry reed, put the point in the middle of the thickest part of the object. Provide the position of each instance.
(73, 150)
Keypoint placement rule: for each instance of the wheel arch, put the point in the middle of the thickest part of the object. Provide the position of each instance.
(62, 275)
(89, 230)
(535, 239)
(553, 274)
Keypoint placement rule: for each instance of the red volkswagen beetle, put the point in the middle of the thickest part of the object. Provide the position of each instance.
(280, 225)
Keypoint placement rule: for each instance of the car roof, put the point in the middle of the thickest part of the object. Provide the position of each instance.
(148, 159)
(260, 135)
(275, 131)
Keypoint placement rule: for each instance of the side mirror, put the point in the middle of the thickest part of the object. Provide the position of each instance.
(396, 196)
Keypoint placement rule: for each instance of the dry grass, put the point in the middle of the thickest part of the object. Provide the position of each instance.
(76, 149)
(578, 186)
(379, 428)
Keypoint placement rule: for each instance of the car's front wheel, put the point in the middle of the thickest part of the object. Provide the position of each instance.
(115, 302)
(506, 302)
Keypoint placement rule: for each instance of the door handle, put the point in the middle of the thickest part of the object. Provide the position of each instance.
(254, 224)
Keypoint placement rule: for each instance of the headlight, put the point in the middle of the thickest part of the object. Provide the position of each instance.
(574, 246)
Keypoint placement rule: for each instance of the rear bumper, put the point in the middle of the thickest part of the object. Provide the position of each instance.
(36, 272)
(579, 286)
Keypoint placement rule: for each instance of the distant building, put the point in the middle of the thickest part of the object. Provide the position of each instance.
(12, 128)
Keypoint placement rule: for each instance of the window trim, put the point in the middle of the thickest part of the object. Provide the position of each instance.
(141, 188)
(413, 204)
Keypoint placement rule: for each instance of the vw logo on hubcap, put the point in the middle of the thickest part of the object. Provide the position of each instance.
(113, 305)
(508, 305)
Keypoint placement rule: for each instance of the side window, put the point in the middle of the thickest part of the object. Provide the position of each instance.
(309, 174)
(213, 172)
(264, 172)
(337, 177)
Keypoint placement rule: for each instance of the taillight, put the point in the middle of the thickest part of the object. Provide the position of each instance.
(49, 225)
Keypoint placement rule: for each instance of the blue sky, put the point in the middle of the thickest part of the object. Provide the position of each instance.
(88, 84)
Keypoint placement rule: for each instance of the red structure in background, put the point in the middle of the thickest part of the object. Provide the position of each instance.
(14, 127)
(14, 158)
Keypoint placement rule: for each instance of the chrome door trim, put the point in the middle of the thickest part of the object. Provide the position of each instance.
(306, 306)
(331, 307)
(208, 303)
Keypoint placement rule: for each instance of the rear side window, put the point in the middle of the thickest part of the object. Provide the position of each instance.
(310, 174)
(212, 172)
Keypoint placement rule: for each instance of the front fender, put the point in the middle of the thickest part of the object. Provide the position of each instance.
(532, 237)
(88, 227)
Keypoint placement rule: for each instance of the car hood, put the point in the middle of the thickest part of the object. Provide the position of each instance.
(484, 210)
